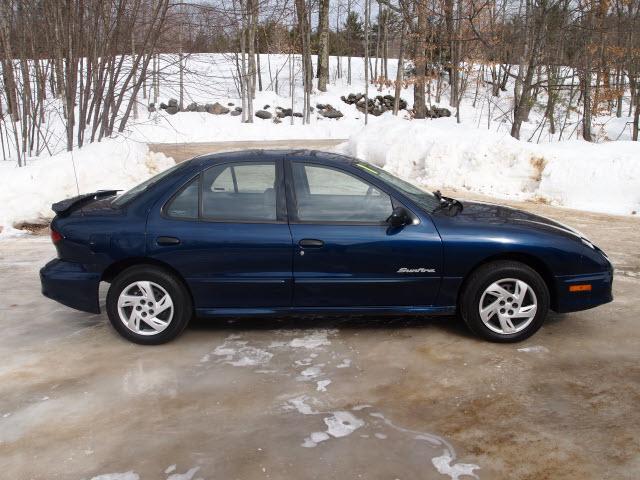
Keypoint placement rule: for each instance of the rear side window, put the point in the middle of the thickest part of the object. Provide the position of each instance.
(243, 192)
(120, 200)
(185, 203)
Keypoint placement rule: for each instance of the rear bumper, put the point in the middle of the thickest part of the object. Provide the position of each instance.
(71, 284)
(567, 301)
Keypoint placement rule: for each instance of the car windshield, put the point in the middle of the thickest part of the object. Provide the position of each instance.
(424, 199)
(138, 189)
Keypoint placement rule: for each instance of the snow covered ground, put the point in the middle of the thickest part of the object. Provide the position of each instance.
(478, 154)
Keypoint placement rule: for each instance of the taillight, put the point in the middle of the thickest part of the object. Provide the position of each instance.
(55, 236)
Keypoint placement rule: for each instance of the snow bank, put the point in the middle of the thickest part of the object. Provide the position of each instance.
(28, 192)
(603, 177)
(440, 153)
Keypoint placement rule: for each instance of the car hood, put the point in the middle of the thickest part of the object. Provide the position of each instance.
(494, 214)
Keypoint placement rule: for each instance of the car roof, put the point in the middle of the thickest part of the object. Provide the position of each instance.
(262, 155)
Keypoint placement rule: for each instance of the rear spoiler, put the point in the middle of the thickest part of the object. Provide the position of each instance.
(65, 206)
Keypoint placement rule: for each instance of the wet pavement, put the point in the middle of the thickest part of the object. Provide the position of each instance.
(321, 398)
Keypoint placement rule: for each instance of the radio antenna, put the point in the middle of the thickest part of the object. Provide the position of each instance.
(75, 173)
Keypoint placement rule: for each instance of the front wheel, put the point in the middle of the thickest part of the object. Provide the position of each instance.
(504, 301)
(148, 305)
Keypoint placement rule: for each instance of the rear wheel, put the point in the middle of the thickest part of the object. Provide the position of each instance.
(148, 305)
(504, 301)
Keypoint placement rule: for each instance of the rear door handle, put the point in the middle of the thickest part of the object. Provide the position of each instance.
(167, 241)
(311, 243)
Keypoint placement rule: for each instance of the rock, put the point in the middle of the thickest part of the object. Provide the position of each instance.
(436, 112)
(163, 106)
(151, 108)
(277, 120)
(216, 109)
(265, 107)
(235, 113)
(263, 114)
(238, 109)
(173, 102)
(320, 106)
(297, 114)
(230, 104)
(200, 108)
(283, 112)
(376, 106)
(171, 109)
(331, 113)
(192, 107)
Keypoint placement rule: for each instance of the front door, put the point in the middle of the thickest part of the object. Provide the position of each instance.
(345, 253)
(226, 233)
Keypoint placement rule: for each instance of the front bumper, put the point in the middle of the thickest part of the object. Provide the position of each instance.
(567, 301)
(71, 284)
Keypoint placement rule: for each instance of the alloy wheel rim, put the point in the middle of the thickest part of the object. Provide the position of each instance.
(508, 306)
(145, 308)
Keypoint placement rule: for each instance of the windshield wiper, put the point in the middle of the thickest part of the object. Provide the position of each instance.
(447, 203)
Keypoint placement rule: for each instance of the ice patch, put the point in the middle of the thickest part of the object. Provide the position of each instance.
(6, 415)
(341, 424)
(171, 468)
(118, 476)
(314, 439)
(184, 476)
(443, 463)
(346, 363)
(455, 471)
(300, 404)
(381, 436)
(312, 340)
(322, 385)
(239, 354)
(311, 372)
(534, 349)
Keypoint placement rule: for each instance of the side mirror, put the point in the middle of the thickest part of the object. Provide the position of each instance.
(399, 217)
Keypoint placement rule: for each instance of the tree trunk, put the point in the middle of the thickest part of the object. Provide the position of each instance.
(400, 70)
(367, 7)
(323, 46)
(419, 106)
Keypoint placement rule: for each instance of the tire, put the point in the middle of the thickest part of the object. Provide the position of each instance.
(491, 306)
(143, 291)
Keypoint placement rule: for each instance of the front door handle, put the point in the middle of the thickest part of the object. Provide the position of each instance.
(168, 241)
(311, 243)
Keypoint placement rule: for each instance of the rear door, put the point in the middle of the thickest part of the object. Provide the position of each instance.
(225, 231)
(345, 254)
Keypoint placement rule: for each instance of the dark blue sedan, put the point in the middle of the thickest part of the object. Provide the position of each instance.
(296, 232)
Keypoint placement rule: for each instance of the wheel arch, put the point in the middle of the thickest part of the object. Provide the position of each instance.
(113, 270)
(533, 262)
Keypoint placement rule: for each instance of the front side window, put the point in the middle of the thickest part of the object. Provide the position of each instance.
(325, 194)
(243, 192)
(426, 200)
